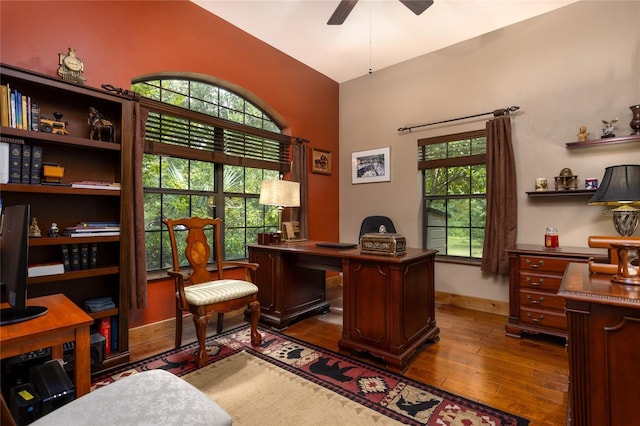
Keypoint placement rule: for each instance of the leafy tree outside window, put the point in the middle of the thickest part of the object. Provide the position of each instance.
(454, 194)
(182, 187)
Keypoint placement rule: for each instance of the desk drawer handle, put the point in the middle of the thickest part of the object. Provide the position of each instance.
(535, 284)
(540, 263)
(535, 302)
(535, 319)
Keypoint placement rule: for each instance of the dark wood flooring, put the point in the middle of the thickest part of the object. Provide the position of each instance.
(473, 359)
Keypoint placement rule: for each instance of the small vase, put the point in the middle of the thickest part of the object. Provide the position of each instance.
(635, 121)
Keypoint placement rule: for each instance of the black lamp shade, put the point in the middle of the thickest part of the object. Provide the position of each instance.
(620, 185)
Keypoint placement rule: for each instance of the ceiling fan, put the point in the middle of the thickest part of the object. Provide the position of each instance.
(345, 7)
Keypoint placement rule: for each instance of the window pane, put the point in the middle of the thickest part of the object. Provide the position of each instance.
(234, 212)
(233, 179)
(176, 206)
(458, 183)
(459, 148)
(458, 241)
(152, 212)
(234, 243)
(150, 171)
(458, 211)
(175, 173)
(201, 176)
(479, 179)
(479, 145)
(478, 212)
(477, 241)
(252, 180)
(152, 240)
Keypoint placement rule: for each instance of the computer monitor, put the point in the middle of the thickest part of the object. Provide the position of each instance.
(14, 260)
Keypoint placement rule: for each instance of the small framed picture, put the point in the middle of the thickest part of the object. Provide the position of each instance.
(321, 161)
(369, 166)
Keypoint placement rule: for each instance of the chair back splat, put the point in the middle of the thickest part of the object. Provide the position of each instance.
(203, 292)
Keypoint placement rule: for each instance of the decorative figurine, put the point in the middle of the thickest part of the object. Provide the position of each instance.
(583, 135)
(56, 126)
(100, 126)
(607, 132)
(71, 67)
(34, 229)
(54, 231)
(566, 180)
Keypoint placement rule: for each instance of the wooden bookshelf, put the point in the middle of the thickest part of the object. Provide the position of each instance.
(82, 159)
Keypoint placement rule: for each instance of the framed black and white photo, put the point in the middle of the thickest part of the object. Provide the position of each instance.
(373, 165)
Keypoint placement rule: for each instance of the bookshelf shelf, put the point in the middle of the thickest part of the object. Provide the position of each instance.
(83, 159)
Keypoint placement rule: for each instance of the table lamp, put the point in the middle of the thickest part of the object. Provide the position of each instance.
(280, 193)
(620, 187)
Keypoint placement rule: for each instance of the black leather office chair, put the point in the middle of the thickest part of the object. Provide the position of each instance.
(372, 224)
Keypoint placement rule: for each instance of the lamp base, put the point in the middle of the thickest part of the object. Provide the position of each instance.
(625, 220)
(628, 270)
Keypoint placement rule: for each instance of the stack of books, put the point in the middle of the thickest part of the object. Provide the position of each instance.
(91, 184)
(93, 229)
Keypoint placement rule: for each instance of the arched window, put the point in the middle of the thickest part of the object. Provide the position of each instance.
(207, 149)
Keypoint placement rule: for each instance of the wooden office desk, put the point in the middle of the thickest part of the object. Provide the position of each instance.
(604, 331)
(65, 322)
(389, 301)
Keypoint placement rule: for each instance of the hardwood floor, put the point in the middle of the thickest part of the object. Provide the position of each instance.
(474, 359)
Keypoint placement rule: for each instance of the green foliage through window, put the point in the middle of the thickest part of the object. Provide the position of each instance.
(177, 187)
(454, 193)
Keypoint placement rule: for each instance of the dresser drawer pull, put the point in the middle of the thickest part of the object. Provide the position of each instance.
(535, 284)
(540, 263)
(535, 319)
(536, 302)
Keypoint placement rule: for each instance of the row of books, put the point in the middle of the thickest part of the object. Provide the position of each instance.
(93, 229)
(19, 162)
(108, 328)
(76, 257)
(17, 110)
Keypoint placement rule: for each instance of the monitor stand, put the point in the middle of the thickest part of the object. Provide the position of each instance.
(14, 315)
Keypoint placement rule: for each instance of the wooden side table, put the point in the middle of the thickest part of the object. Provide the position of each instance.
(64, 322)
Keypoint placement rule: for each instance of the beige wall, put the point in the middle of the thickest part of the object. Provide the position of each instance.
(577, 65)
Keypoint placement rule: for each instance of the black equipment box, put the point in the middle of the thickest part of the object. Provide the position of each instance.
(52, 384)
(24, 404)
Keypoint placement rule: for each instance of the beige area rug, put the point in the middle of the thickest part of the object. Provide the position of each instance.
(256, 392)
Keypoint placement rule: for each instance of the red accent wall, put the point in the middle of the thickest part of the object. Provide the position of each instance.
(121, 40)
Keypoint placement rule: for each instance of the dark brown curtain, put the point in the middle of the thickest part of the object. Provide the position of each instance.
(299, 173)
(501, 222)
(137, 267)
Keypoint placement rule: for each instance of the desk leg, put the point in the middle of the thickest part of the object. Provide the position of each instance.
(82, 361)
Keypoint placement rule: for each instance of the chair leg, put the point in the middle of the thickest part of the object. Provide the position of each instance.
(178, 342)
(201, 323)
(256, 337)
(220, 322)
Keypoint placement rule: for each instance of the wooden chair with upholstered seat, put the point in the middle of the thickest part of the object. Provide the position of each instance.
(203, 292)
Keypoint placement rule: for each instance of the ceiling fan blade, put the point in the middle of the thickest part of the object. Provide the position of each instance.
(417, 6)
(342, 11)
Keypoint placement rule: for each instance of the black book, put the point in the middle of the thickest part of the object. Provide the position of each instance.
(35, 117)
(66, 259)
(25, 168)
(36, 164)
(93, 256)
(75, 257)
(15, 163)
(84, 256)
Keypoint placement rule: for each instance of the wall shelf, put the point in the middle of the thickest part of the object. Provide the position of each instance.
(567, 193)
(606, 141)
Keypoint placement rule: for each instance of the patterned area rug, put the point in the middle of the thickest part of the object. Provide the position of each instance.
(390, 396)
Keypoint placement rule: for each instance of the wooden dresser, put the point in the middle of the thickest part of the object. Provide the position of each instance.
(535, 275)
(604, 331)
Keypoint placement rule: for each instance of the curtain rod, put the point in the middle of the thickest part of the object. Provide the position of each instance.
(496, 113)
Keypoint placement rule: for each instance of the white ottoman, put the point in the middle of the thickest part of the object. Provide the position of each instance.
(154, 397)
